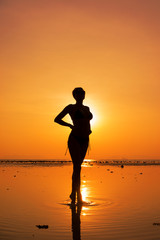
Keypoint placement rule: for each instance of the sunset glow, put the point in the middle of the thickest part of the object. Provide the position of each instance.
(110, 48)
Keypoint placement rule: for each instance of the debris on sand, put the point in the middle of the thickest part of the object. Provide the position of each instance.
(42, 226)
(156, 224)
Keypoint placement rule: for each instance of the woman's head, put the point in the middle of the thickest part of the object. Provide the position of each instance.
(78, 93)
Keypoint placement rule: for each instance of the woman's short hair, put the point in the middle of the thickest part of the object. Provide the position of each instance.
(78, 90)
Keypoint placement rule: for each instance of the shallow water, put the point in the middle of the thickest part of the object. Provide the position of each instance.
(120, 203)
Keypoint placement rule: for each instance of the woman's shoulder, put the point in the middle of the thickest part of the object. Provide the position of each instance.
(69, 108)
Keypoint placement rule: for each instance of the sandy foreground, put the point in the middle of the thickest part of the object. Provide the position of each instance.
(119, 203)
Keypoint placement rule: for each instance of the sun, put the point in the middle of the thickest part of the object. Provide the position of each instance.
(94, 120)
(94, 110)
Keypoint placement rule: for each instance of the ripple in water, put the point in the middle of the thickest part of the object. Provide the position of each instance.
(97, 203)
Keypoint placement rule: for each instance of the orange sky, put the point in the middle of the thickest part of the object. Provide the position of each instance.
(108, 47)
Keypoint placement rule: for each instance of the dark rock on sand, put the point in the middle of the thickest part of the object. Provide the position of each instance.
(156, 224)
(42, 226)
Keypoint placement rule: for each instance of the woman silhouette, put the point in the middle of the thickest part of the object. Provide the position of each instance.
(79, 137)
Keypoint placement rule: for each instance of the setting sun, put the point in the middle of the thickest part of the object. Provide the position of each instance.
(101, 47)
(80, 119)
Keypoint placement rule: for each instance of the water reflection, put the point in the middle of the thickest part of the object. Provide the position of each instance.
(84, 192)
(76, 222)
(78, 210)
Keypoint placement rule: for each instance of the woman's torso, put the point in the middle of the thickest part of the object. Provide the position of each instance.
(81, 117)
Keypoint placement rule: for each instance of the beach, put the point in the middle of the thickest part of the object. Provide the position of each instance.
(120, 201)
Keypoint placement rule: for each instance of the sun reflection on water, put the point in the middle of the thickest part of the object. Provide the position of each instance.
(85, 195)
(88, 163)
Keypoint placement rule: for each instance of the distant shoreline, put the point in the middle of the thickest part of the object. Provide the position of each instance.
(90, 162)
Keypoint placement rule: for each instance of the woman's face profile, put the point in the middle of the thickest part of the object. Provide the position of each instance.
(79, 96)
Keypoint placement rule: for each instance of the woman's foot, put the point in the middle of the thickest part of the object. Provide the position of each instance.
(73, 198)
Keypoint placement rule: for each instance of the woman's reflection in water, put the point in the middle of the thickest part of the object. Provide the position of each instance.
(76, 222)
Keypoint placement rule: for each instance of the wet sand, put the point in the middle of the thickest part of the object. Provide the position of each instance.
(120, 202)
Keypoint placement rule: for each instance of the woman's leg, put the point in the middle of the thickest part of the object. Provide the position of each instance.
(74, 149)
(76, 178)
(75, 181)
(83, 150)
(77, 151)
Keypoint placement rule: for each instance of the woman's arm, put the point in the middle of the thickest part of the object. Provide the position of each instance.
(58, 118)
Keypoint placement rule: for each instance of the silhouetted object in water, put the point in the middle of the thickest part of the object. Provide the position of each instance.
(79, 137)
(156, 224)
(42, 226)
(76, 222)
